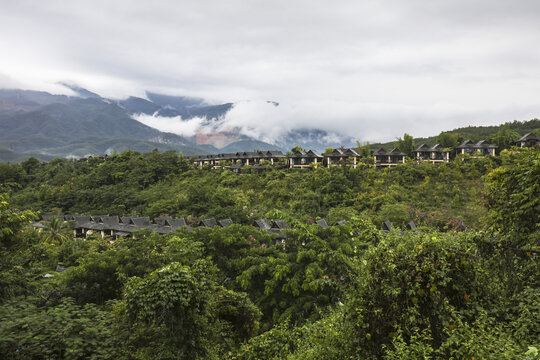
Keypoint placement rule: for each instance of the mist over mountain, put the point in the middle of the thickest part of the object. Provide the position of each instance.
(37, 123)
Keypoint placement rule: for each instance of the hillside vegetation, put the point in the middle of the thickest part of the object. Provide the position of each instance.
(514, 129)
(345, 292)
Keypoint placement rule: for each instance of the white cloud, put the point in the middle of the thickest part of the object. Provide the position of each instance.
(373, 68)
(173, 125)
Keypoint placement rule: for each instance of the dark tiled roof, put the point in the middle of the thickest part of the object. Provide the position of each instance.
(423, 147)
(80, 220)
(162, 221)
(312, 153)
(281, 224)
(351, 152)
(141, 222)
(299, 153)
(396, 151)
(529, 136)
(209, 222)
(178, 223)
(111, 221)
(262, 224)
(225, 222)
(465, 144)
(274, 153)
(337, 152)
(322, 223)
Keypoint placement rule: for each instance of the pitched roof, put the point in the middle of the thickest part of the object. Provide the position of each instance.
(312, 153)
(274, 153)
(351, 152)
(225, 222)
(281, 224)
(528, 136)
(387, 225)
(262, 224)
(209, 222)
(177, 222)
(110, 221)
(396, 151)
(322, 223)
(162, 221)
(337, 152)
(380, 151)
(141, 221)
(465, 144)
(423, 147)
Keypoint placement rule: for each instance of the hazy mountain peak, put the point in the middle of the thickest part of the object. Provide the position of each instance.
(82, 92)
(179, 103)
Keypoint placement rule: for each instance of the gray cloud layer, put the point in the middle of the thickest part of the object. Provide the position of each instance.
(370, 69)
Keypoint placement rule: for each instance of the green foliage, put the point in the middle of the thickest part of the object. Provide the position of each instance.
(167, 312)
(277, 343)
(238, 311)
(513, 193)
(504, 138)
(413, 281)
(11, 221)
(328, 338)
(61, 331)
(349, 291)
(449, 140)
(56, 231)
(405, 144)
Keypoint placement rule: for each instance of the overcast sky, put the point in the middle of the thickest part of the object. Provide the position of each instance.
(370, 69)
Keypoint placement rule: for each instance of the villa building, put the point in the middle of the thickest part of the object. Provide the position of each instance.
(528, 140)
(388, 158)
(342, 156)
(435, 154)
(481, 148)
(304, 159)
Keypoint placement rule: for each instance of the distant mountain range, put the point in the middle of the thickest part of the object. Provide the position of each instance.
(46, 126)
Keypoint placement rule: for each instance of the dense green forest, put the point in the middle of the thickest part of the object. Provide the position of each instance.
(344, 292)
(501, 135)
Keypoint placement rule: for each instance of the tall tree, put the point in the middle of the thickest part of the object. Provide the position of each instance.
(364, 150)
(405, 144)
(448, 140)
(56, 231)
(504, 138)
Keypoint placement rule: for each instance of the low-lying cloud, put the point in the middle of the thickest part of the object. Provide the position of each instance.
(369, 69)
(175, 125)
(373, 122)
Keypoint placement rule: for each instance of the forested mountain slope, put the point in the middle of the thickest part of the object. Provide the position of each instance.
(154, 184)
(345, 292)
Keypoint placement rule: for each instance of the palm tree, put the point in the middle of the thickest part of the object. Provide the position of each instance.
(56, 231)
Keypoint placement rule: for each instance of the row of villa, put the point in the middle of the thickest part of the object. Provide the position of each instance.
(116, 226)
(350, 156)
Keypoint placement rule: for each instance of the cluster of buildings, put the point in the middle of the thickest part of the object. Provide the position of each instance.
(350, 156)
(116, 226)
